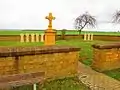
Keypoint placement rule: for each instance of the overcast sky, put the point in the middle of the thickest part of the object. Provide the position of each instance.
(30, 14)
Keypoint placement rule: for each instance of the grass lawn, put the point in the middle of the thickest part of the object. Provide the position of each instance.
(113, 73)
(70, 83)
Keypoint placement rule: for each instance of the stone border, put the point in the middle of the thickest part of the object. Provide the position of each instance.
(21, 51)
(106, 46)
(15, 80)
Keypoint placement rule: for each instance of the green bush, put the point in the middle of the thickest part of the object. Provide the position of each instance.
(63, 32)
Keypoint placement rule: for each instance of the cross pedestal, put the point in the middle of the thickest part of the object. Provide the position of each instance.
(50, 37)
(50, 33)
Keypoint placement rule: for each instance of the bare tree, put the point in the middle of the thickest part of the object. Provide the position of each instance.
(116, 17)
(84, 20)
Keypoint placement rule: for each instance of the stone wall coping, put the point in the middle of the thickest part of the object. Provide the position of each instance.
(34, 50)
(107, 46)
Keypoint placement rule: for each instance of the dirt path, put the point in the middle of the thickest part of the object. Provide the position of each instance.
(96, 80)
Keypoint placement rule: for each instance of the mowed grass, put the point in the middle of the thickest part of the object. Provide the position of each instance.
(69, 83)
(113, 73)
(68, 32)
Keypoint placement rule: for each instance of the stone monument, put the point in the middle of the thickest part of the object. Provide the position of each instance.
(50, 33)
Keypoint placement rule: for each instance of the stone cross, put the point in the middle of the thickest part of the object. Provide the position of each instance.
(50, 18)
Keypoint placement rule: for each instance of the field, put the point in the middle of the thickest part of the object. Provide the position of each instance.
(13, 32)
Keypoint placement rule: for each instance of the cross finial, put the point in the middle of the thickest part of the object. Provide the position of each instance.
(50, 18)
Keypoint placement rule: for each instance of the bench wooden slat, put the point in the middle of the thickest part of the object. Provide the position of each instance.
(21, 79)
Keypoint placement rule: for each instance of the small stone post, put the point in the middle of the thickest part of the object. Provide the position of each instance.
(85, 36)
(27, 37)
(42, 37)
(32, 37)
(37, 37)
(21, 37)
(88, 36)
(91, 36)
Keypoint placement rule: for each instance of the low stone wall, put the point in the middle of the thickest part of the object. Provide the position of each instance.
(106, 37)
(106, 56)
(68, 37)
(9, 38)
(55, 61)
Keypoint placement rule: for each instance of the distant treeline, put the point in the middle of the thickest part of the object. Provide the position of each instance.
(45, 29)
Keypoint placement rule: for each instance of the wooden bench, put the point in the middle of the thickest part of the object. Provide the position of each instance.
(10, 81)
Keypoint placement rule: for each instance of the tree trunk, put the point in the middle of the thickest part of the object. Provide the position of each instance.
(82, 28)
(79, 32)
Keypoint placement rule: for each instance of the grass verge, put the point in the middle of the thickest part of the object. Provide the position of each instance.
(113, 73)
